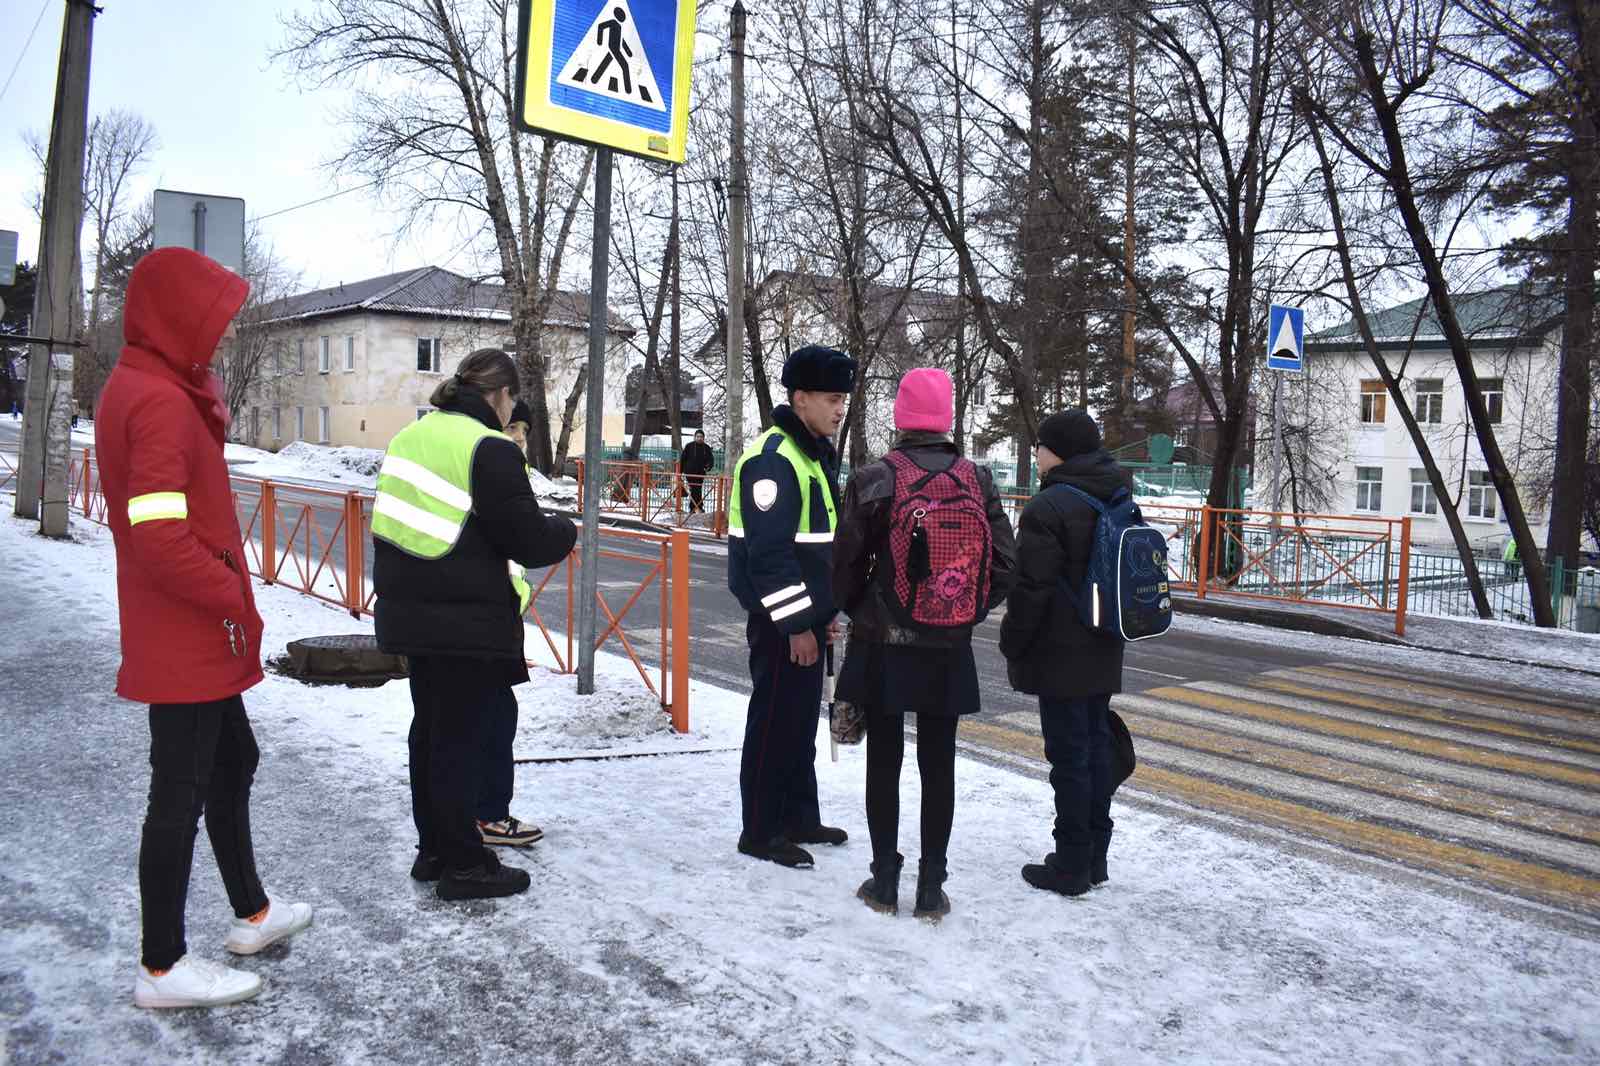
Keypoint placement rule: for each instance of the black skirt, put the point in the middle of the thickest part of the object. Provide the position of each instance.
(898, 679)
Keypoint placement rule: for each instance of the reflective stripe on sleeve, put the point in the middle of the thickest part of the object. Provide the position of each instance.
(814, 538)
(802, 604)
(427, 481)
(735, 532)
(783, 594)
(154, 505)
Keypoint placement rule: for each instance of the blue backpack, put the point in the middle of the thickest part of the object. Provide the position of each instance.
(1125, 592)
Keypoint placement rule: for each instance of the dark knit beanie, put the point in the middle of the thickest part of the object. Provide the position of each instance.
(1069, 433)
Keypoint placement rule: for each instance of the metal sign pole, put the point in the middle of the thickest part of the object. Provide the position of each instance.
(589, 538)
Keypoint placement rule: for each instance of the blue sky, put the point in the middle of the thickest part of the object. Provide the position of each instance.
(230, 123)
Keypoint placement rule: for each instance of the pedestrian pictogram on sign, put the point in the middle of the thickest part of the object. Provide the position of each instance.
(612, 60)
(1286, 331)
(612, 73)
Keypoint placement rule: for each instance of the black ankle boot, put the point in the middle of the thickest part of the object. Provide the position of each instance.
(932, 903)
(881, 891)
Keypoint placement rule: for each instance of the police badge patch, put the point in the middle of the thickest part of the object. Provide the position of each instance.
(764, 493)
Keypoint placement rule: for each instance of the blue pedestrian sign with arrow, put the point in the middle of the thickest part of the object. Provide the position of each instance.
(612, 73)
(1286, 339)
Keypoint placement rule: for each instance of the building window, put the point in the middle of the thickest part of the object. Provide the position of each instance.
(255, 424)
(300, 356)
(428, 355)
(1480, 495)
(422, 411)
(322, 425)
(1423, 498)
(1374, 402)
(324, 363)
(1430, 401)
(277, 423)
(1369, 488)
(349, 355)
(1494, 398)
(980, 393)
(299, 423)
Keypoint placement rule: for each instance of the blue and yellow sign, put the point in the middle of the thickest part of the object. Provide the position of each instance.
(612, 73)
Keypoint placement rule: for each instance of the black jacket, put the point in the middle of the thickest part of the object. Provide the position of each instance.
(1048, 651)
(697, 458)
(766, 563)
(864, 532)
(464, 603)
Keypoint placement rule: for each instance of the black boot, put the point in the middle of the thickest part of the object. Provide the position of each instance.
(817, 834)
(1097, 862)
(932, 903)
(1051, 878)
(881, 891)
(486, 881)
(778, 850)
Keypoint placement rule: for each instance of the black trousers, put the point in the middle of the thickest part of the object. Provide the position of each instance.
(451, 700)
(697, 488)
(778, 772)
(203, 759)
(936, 762)
(497, 769)
(1077, 741)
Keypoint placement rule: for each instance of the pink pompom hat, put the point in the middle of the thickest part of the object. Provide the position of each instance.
(925, 400)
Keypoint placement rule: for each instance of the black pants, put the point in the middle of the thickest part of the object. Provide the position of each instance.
(1077, 741)
(497, 769)
(778, 773)
(203, 758)
(936, 762)
(451, 697)
(697, 488)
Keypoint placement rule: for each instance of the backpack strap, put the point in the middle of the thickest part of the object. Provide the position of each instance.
(1099, 507)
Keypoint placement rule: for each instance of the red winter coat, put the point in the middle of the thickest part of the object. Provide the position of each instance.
(190, 631)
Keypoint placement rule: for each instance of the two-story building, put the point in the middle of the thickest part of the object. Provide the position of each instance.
(1515, 343)
(354, 363)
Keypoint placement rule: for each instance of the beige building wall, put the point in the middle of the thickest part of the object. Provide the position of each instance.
(370, 385)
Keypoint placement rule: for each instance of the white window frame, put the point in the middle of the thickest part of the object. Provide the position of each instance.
(1482, 499)
(324, 355)
(1369, 490)
(1378, 406)
(436, 348)
(349, 353)
(1430, 499)
(1430, 401)
(324, 426)
(1497, 410)
(299, 423)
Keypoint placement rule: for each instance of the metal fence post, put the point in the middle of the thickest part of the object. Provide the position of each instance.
(1558, 582)
(1405, 577)
(269, 532)
(680, 631)
(355, 567)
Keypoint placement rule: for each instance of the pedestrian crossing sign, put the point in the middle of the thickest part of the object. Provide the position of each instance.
(612, 73)
(1286, 332)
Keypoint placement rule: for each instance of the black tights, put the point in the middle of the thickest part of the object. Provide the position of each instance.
(936, 762)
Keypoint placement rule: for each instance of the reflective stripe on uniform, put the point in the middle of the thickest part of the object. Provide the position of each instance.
(814, 538)
(418, 520)
(425, 480)
(735, 532)
(424, 493)
(154, 505)
(783, 594)
(796, 607)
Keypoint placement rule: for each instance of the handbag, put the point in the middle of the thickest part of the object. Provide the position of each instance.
(1122, 760)
(847, 722)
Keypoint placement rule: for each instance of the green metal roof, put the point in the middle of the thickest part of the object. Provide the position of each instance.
(1507, 315)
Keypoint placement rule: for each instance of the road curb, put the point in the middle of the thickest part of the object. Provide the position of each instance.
(1282, 618)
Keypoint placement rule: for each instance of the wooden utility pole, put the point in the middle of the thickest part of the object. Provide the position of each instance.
(46, 430)
(1129, 294)
(736, 216)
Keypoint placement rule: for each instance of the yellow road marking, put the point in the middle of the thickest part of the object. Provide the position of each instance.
(1391, 738)
(1424, 713)
(1492, 699)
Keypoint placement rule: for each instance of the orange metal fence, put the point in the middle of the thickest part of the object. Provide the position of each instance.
(8, 471)
(661, 497)
(313, 540)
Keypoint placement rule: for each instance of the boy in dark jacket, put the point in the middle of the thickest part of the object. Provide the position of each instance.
(1050, 654)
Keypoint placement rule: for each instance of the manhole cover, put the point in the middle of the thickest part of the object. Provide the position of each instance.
(347, 658)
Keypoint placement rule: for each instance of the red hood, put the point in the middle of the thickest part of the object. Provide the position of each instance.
(178, 304)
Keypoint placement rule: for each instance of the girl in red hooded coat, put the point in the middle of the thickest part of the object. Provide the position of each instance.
(191, 637)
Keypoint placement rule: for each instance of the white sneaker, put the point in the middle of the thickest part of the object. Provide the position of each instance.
(282, 920)
(194, 982)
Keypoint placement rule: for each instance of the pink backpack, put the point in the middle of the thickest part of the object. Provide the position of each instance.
(936, 574)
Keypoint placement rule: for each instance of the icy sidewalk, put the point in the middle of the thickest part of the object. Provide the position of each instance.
(647, 939)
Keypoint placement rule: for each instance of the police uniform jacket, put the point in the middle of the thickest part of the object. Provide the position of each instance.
(775, 567)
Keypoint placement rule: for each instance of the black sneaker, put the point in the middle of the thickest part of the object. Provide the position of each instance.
(818, 834)
(427, 867)
(778, 850)
(1039, 875)
(488, 881)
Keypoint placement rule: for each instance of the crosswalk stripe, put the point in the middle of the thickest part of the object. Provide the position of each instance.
(1483, 697)
(1229, 700)
(1406, 709)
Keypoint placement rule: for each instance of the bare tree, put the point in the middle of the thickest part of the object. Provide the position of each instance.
(251, 364)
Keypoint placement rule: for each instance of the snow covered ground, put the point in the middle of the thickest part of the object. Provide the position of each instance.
(646, 938)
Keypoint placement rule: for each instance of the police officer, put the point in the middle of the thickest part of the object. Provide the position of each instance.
(781, 520)
(454, 510)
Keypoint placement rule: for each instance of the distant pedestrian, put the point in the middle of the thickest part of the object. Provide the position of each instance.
(191, 637)
(781, 520)
(924, 552)
(1512, 562)
(1051, 654)
(696, 462)
(454, 510)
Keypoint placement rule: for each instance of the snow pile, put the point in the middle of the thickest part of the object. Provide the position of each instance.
(300, 461)
(559, 490)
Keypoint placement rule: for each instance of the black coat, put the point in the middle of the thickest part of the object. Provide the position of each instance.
(1048, 651)
(464, 603)
(697, 458)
